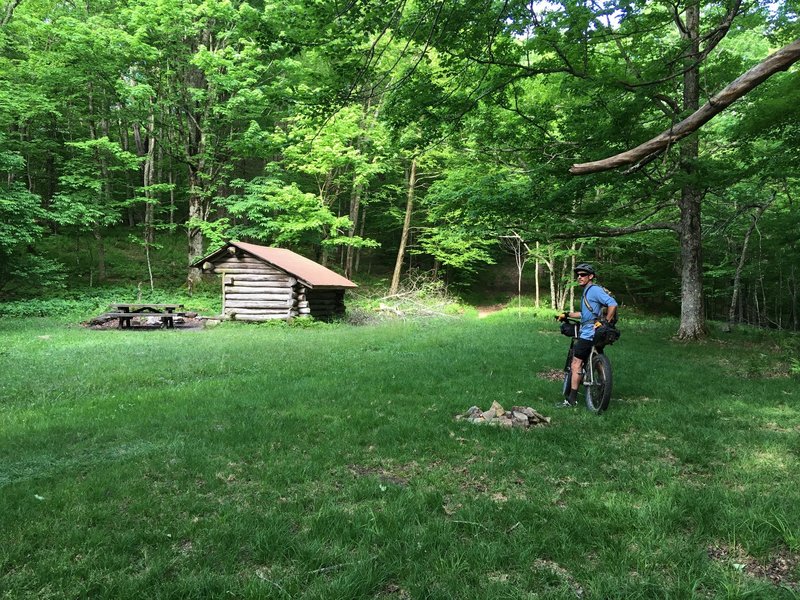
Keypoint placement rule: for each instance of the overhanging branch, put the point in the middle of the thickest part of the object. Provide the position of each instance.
(618, 231)
(779, 61)
(8, 11)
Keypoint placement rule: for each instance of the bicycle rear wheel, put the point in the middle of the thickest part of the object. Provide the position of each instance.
(598, 390)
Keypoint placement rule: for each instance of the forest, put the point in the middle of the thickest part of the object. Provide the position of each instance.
(374, 135)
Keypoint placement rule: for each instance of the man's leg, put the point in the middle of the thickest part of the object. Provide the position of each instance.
(577, 366)
(580, 353)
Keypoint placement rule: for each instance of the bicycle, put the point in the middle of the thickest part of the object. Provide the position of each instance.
(596, 377)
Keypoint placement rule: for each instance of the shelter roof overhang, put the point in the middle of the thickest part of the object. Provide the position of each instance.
(305, 270)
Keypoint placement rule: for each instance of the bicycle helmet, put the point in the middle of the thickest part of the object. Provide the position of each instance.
(585, 268)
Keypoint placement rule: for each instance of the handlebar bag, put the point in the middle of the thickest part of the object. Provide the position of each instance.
(569, 329)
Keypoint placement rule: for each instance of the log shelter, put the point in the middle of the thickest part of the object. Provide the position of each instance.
(260, 283)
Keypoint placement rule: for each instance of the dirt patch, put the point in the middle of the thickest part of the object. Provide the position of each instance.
(382, 474)
(780, 570)
(484, 311)
(392, 590)
(763, 370)
(560, 572)
(552, 375)
(779, 429)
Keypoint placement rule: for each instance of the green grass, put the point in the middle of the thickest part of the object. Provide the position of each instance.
(279, 462)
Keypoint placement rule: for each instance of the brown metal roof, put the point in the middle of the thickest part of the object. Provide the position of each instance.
(304, 269)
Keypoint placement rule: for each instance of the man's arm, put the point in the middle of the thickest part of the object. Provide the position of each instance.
(611, 313)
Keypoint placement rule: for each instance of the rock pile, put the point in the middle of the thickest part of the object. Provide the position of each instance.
(518, 416)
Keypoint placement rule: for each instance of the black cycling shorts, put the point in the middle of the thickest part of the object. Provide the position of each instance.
(582, 349)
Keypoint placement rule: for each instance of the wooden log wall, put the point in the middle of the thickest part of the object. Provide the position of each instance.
(254, 290)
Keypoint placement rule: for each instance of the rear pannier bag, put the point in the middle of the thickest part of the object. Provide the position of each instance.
(605, 335)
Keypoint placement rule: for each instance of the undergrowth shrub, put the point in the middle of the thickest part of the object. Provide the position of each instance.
(421, 295)
(794, 367)
(76, 305)
(303, 322)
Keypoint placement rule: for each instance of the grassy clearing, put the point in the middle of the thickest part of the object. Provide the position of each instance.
(276, 462)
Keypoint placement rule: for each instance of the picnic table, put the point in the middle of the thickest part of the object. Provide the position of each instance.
(126, 312)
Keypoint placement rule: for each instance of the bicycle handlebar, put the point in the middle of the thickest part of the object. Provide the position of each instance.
(567, 320)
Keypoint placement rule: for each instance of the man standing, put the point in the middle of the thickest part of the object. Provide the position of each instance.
(594, 299)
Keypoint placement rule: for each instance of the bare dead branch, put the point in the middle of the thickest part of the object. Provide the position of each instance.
(779, 61)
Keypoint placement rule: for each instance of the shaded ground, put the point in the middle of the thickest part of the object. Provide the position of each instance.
(779, 570)
(145, 323)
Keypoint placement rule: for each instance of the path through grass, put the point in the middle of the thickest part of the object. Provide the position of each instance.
(262, 462)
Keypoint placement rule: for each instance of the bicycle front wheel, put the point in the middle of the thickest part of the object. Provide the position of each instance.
(567, 384)
(598, 390)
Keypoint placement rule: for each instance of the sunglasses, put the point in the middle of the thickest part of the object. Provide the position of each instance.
(581, 275)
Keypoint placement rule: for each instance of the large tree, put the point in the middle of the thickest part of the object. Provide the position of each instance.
(693, 55)
(689, 227)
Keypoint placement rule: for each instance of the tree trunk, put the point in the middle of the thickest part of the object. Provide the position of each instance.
(171, 181)
(536, 274)
(355, 197)
(104, 195)
(756, 307)
(355, 205)
(515, 245)
(401, 251)
(564, 289)
(200, 175)
(692, 325)
(737, 278)
(148, 180)
(551, 267)
(361, 234)
(196, 213)
(101, 253)
(791, 283)
(572, 287)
